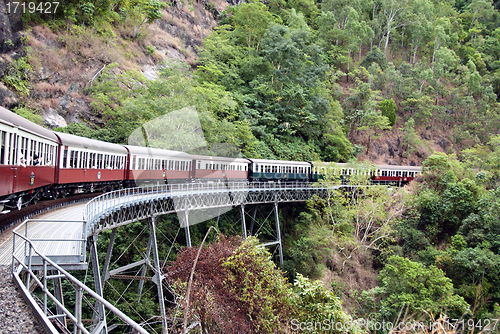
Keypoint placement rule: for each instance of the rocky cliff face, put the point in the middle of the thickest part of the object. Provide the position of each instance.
(11, 27)
(64, 63)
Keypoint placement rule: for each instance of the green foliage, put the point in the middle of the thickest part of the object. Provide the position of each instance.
(409, 286)
(388, 108)
(410, 137)
(258, 286)
(17, 76)
(318, 305)
(29, 115)
(375, 56)
(80, 129)
(278, 76)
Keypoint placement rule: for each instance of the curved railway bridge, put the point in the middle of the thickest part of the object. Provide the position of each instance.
(46, 248)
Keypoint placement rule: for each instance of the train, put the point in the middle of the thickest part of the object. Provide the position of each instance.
(37, 163)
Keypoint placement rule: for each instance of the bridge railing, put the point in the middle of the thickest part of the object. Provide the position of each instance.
(105, 203)
(25, 265)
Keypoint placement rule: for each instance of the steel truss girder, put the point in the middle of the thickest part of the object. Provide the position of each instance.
(168, 203)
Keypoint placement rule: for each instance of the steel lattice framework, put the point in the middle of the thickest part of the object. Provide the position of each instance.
(125, 206)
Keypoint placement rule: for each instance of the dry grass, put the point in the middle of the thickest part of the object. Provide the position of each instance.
(357, 274)
(49, 103)
(43, 33)
(52, 89)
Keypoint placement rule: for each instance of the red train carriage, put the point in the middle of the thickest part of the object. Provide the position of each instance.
(28, 156)
(87, 165)
(156, 166)
(396, 174)
(215, 168)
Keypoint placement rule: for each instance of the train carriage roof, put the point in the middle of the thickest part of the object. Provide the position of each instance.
(406, 168)
(97, 145)
(281, 162)
(11, 119)
(213, 158)
(380, 167)
(156, 152)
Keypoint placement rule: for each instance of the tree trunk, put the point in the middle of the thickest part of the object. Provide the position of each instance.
(387, 42)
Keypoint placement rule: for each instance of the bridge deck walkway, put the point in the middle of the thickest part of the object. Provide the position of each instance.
(63, 223)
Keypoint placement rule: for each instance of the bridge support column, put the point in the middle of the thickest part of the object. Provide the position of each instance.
(185, 218)
(158, 274)
(78, 310)
(99, 314)
(252, 222)
(105, 269)
(278, 232)
(58, 294)
(145, 265)
(243, 225)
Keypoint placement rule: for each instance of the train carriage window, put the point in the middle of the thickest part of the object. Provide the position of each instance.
(30, 146)
(177, 165)
(23, 148)
(71, 159)
(79, 159)
(13, 148)
(3, 148)
(43, 149)
(84, 159)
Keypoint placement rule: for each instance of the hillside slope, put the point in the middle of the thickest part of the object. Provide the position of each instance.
(50, 67)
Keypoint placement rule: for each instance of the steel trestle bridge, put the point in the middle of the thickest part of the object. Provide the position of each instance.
(35, 262)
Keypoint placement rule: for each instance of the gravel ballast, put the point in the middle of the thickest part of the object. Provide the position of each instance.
(15, 315)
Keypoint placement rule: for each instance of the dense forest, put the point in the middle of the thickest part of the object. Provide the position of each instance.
(412, 82)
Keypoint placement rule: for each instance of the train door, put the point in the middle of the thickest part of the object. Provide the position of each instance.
(8, 168)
